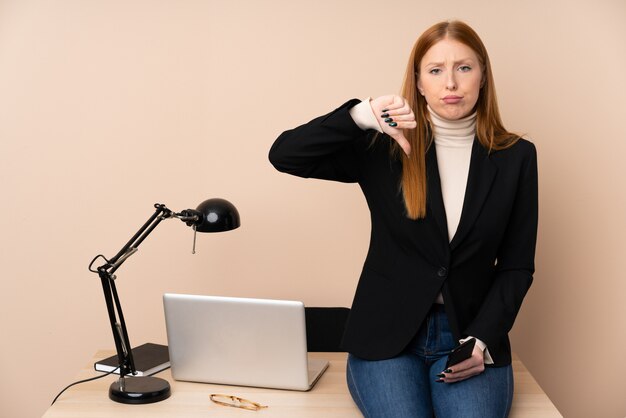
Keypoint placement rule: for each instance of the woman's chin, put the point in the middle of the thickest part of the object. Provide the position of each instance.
(452, 112)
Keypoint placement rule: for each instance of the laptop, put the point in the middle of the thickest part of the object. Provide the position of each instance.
(239, 341)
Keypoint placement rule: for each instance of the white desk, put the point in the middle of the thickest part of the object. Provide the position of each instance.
(329, 398)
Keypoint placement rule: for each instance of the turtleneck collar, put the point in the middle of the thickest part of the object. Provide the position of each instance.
(453, 133)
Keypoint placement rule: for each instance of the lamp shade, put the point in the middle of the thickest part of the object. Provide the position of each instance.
(217, 215)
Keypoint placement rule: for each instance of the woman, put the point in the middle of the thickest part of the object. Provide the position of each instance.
(453, 202)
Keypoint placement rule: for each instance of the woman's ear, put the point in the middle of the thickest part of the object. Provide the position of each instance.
(419, 84)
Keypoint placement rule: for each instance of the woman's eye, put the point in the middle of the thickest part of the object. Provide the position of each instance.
(435, 71)
(465, 68)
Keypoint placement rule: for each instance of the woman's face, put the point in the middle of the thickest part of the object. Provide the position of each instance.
(450, 78)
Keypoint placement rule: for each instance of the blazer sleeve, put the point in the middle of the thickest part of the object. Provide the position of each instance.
(324, 148)
(515, 261)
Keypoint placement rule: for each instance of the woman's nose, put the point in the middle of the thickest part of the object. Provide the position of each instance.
(451, 81)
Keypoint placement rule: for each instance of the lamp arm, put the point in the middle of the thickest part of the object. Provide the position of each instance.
(107, 278)
(125, 360)
(161, 212)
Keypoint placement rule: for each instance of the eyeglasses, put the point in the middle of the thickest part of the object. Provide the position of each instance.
(235, 402)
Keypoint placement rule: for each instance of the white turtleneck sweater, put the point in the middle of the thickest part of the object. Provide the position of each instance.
(453, 142)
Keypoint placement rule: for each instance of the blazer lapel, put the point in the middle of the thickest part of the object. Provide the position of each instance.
(480, 178)
(433, 193)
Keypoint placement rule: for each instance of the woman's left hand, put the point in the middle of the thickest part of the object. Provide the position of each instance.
(467, 368)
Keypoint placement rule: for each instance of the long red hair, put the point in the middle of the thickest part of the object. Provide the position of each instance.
(489, 128)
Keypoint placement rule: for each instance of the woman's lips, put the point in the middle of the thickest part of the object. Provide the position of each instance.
(452, 99)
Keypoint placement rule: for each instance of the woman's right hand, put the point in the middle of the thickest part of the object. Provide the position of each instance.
(393, 109)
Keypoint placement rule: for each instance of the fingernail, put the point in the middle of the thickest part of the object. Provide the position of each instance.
(447, 371)
(439, 380)
(393, 124)
(389, 120)
(385, 110)
(384, 115)
(441, 375)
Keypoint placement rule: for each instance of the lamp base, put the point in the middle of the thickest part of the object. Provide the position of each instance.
(139, 390)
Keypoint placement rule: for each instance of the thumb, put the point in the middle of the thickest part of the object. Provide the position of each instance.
(403, 142)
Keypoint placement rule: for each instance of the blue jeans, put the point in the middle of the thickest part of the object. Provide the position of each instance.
(405, 387)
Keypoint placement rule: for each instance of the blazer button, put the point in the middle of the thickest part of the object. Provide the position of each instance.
(443, 272)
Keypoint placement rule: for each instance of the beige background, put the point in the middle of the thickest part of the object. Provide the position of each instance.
(107, 107)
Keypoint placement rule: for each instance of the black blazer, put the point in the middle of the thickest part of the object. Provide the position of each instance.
(483, 273)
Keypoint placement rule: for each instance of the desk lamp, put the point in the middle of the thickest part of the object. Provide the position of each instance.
(213, 215)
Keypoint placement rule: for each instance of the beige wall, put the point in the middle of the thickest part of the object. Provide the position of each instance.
(107, 107)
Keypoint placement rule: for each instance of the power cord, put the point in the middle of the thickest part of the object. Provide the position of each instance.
(83, 381)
